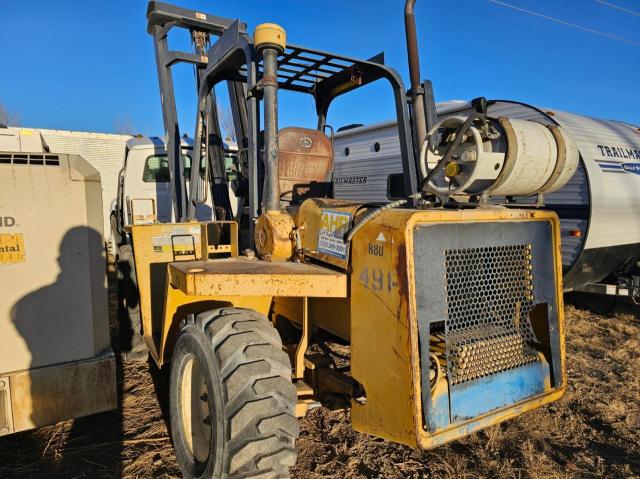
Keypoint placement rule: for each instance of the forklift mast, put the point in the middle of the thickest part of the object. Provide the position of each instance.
(233, 58)
(162, 19)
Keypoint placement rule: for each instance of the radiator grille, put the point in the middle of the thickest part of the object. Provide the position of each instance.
(489, 298)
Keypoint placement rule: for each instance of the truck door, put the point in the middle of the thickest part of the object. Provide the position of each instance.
(154, 192)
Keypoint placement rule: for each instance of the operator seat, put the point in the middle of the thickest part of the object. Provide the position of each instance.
(305, 164)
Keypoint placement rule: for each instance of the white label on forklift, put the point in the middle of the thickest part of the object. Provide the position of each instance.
(178, 240)
(161, 243)
(333, 227)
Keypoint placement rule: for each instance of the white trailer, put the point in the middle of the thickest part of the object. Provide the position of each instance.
(598, 207)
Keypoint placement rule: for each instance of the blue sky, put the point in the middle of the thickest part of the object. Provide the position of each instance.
(90, 65)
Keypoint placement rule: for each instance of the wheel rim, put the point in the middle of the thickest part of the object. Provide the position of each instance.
(196, 411)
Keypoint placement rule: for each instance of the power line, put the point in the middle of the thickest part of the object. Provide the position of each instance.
(625, 10)
(569, 24)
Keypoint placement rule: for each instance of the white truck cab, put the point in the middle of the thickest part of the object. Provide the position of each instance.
(144, 192)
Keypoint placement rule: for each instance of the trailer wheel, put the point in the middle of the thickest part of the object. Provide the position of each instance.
(130, 322)
(115, 233)
(231, 400)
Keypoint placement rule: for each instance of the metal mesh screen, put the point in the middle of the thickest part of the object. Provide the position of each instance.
(489, 298)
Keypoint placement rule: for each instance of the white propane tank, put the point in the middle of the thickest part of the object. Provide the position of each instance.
(515, 157)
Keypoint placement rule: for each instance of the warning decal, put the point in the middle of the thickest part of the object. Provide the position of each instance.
(333, 227)
(179, 241)
(11, 248)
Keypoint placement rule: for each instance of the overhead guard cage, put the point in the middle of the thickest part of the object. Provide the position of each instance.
(233, 58)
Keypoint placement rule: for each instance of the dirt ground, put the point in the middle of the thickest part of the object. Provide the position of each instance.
(594, 431)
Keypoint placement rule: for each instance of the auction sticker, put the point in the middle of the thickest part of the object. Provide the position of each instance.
(11, 248)
(333, 226)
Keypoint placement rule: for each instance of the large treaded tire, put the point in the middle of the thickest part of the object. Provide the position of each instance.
(250, 396)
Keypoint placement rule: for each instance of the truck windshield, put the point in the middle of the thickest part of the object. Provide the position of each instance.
(156, 169)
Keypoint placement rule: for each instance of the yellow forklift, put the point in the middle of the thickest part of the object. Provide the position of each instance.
(449, 301)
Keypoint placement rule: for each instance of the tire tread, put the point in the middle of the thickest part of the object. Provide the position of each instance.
(256, 377)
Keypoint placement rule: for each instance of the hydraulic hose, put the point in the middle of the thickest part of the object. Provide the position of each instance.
(373, 213)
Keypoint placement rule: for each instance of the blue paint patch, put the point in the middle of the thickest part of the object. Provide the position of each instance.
(438, 408)
(631, 167)
(474, 398)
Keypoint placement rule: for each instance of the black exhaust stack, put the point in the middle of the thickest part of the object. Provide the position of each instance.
(422, 102)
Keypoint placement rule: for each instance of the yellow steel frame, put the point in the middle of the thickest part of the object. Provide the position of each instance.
(380, 320)
(298, 371)
(170, 290)
(178, 305)
(384, 331)
(154, 248)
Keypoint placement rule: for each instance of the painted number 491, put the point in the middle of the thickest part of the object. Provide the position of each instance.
(377, 280)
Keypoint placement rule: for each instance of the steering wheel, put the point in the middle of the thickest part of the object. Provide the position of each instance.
(452, 171)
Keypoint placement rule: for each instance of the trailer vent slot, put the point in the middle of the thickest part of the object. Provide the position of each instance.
(489, 298)
(36, 160)
(29, 159)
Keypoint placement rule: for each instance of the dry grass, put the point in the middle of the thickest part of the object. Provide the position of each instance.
(130, 442)
(594, 431)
